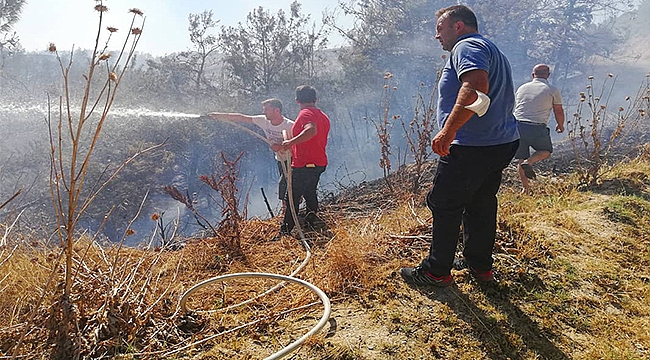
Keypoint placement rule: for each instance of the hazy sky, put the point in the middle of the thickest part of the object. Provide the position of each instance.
(68, 22)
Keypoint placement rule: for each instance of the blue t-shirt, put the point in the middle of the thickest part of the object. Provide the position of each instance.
(498, 125)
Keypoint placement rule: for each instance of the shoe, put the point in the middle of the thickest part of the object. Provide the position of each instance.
(482, 276)
(419, 276)
(528, 171)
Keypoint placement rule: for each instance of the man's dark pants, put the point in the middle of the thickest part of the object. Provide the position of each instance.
(304, 182)
(282, 184)
(464, 191)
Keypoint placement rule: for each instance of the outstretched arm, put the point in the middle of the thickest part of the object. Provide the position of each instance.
(235, 117)
(559, 117)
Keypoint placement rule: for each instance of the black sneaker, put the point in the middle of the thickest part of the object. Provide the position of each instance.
(419, 276)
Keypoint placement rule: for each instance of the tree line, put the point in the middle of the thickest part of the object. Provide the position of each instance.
(270, 52)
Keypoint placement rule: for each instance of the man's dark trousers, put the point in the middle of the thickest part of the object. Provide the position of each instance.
(464, 190)
(304, 181)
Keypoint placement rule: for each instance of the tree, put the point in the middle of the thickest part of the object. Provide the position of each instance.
(9, 14)
(562, 33)
(392, 35)
(397, 36)
(270, 51)
(204, 43)
(307, 47)
(387, 36)
(167, 80)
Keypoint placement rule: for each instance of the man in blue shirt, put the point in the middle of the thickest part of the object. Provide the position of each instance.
(477, 140)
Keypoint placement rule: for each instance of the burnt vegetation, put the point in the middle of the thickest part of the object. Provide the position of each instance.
(572, 261)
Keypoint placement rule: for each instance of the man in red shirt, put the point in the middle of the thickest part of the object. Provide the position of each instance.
(307, 144)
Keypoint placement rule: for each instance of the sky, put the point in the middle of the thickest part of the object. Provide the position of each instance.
(74, 22)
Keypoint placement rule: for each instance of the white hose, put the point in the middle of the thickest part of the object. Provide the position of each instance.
(188, 293)
(247, 130)
(291, 347)
(323, 297)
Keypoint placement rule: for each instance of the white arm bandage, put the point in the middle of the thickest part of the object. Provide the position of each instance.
(481, 105)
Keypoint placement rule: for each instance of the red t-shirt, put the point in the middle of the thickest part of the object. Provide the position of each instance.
(311, 151)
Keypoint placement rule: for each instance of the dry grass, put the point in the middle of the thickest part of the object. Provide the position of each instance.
(22, 268)
(573, 270)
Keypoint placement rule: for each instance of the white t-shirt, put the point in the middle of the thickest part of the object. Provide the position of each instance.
(534, 101)
(274, 132)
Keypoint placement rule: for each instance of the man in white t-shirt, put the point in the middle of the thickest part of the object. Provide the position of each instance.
(534, 101)
(273, 123)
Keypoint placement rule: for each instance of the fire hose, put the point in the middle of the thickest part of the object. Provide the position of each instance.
(286, 168)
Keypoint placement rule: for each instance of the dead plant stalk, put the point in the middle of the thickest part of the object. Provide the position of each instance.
(71, 146)
(418, 133)
(596, 132)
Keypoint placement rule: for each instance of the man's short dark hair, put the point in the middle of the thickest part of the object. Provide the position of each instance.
(460, 13)
(274, 103)
(305, 94)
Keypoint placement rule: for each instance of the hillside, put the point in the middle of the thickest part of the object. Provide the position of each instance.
(573, 271)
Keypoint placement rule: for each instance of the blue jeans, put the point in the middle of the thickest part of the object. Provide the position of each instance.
(304, 181)
(464, 191)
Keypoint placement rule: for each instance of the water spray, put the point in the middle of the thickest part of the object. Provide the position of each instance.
(13, 108)
(241, 128)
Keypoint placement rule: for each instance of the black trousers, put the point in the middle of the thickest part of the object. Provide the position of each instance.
(464, 191)
(282, 184)
(304, 181)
